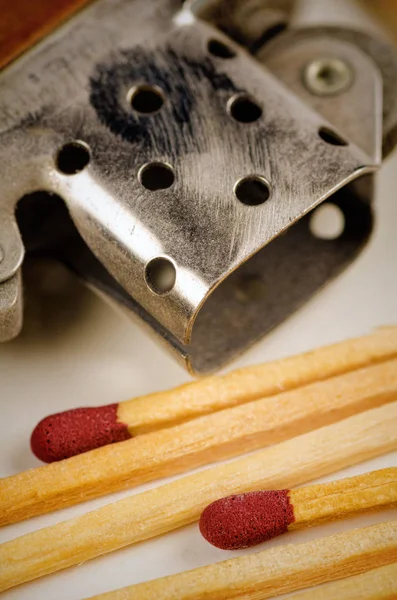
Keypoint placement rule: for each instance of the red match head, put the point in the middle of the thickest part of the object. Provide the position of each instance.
(75, 431)
(244, 520)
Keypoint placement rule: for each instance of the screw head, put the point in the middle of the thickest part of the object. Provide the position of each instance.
(327, 76)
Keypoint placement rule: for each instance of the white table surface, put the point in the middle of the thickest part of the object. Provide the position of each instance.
(76, 351)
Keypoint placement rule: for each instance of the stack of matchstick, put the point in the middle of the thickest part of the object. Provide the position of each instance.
(306, 416)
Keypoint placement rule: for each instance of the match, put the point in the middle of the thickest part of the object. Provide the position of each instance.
(275, 571)
(244, 520)
(72, 432)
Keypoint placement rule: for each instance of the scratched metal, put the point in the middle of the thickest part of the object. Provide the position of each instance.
(10, 307)
(287, 55)
(74, 86)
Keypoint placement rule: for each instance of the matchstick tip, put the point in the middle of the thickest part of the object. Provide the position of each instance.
(244, 520)
(72, 432)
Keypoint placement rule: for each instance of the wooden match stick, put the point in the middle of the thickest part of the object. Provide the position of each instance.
(244, 520)
(377, 584)
(198, 442)
(180, 502)
(275, 571)
(75, 431)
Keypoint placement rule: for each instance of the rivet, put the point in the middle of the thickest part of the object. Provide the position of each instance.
(327, 76)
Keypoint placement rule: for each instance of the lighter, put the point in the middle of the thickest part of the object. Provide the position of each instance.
(175, 157)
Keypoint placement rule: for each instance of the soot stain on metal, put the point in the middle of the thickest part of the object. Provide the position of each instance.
(176, 74)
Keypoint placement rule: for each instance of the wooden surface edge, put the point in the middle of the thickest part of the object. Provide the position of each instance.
(23, 23)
